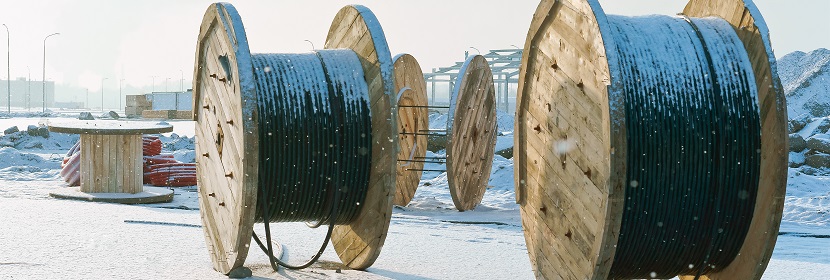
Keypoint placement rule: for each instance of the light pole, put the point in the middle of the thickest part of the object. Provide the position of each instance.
(28, 89)
(120, 94)
(181, 88)
(8, 67)
(44, 69)
(87, 99)
(102, 94)
(165, 84)
(153, 93)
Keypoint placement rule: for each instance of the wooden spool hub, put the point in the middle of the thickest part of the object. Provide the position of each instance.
(572, 148)
(471, 133)
(228, 144)
(413, 119)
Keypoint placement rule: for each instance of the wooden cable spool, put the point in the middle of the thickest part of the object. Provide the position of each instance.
(471, 133)
(572, 149)
(227, 115)
(472, 111)
(413, 121)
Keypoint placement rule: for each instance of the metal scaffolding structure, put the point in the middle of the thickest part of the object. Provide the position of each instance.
(504, 63)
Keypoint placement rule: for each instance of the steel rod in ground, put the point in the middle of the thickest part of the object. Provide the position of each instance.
(421, 134)
(419, 106)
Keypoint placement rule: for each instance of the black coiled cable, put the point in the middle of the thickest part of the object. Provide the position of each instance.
(694, 133)
(315, 140)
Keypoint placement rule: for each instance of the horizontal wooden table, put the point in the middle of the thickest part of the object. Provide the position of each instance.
(111, 154)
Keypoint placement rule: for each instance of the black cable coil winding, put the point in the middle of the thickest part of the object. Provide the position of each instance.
(694, 136)
(315, 132)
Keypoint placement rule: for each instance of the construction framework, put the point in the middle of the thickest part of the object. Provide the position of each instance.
(504, 63)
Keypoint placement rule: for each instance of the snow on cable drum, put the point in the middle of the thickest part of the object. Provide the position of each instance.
(307, 137)
(680, 153)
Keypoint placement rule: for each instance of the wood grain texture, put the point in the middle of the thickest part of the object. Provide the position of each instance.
(565, 156)
(109, 165)
(358, 244)
(471, 133)
(108, 127)
(410, 79)
(749, 25)
(227, 142)
(572, 205)
(149, 195)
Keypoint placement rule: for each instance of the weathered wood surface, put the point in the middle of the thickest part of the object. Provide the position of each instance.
(571, 146)
(148, 195)
(358, 244)
(411, 91)
(108, 127)
(757, 248)
(471, 130)
(111, 153)
(570, 205)
(111, 164)
(227, 142)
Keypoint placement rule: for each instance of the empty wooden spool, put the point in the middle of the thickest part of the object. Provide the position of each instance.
(471, 133)
(469, 147)
(569, 54)
(413, 119)
(225, 99)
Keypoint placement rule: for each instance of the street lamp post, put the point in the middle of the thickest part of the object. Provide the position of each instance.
(29, 89)
(153, 93)
(87, 99)
(8, 67)
(102, 94)
(120, 94)
(44, 69)
(181, 88)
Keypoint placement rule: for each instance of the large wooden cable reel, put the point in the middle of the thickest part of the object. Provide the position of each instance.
(572, 152)
(471, 133)
(226, 102)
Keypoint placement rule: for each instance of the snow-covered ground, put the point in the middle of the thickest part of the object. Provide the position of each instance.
(45, 238)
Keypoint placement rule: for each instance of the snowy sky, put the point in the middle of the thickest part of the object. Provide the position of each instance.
(136, 40)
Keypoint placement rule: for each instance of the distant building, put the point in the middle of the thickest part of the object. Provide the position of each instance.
(181, 101)
(69, 105)
(27, 94)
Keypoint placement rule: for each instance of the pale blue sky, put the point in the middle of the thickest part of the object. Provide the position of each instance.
(149, 38)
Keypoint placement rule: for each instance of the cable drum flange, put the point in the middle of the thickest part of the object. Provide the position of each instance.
(649, 146)
(471, 133)
(413, 126)
(294, 137)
